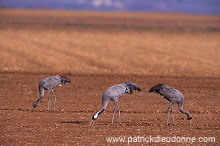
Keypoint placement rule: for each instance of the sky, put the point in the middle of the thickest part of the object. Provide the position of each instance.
(211, 7)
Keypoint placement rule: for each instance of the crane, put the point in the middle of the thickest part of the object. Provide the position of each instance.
(173, 96)
(113, 93)
(49, 84)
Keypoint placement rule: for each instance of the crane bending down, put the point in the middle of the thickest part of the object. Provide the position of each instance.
(173, 96)
(49, 84)
(113, 93)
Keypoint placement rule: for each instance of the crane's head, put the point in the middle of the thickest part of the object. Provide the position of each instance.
(94, 117)
(132, 86)
(189, 116)
(35, 104)
(156, 88)
(64, 79)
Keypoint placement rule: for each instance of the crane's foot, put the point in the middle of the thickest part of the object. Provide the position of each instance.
(170, 124)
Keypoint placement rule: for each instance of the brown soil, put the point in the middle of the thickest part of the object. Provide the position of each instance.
(97, 50)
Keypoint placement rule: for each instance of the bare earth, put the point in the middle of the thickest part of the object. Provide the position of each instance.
(97, 50)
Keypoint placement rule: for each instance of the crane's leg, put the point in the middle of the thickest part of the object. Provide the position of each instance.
(55, 98)
(114, 112)
(168, 112)
(49, 100)
(119, 120)
(172, 114)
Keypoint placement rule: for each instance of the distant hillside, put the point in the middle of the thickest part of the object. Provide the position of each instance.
(185, 6)
(109, 43)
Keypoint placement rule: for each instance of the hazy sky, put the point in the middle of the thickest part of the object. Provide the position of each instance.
(185, 6)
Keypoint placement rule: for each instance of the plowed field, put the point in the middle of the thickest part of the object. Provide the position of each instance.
(97, 50)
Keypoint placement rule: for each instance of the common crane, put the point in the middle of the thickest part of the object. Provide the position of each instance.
(173, 96)
(49, 84)
(113, 93)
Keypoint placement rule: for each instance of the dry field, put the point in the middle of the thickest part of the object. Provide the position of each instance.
(97, 50)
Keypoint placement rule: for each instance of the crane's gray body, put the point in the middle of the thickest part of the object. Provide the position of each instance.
(49, 84)
(173, 96)
(113, 93)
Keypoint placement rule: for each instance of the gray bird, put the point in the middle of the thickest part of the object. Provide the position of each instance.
(113, 93)
(49, 84)
(173, 96)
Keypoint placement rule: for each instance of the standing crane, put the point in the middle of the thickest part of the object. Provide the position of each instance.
(173, 96)
(49, 84)
(113, 93)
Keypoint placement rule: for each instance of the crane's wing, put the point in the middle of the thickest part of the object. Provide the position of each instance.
(171, 94)
(50, 82)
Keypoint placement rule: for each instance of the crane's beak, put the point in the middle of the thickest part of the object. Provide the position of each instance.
(151, 90)
(138, 89)
(189, 118)
(69, 81)
(92, 122)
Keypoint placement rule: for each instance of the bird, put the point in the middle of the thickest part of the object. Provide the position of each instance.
(49, 84)
(113, 93)
(173, 96)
